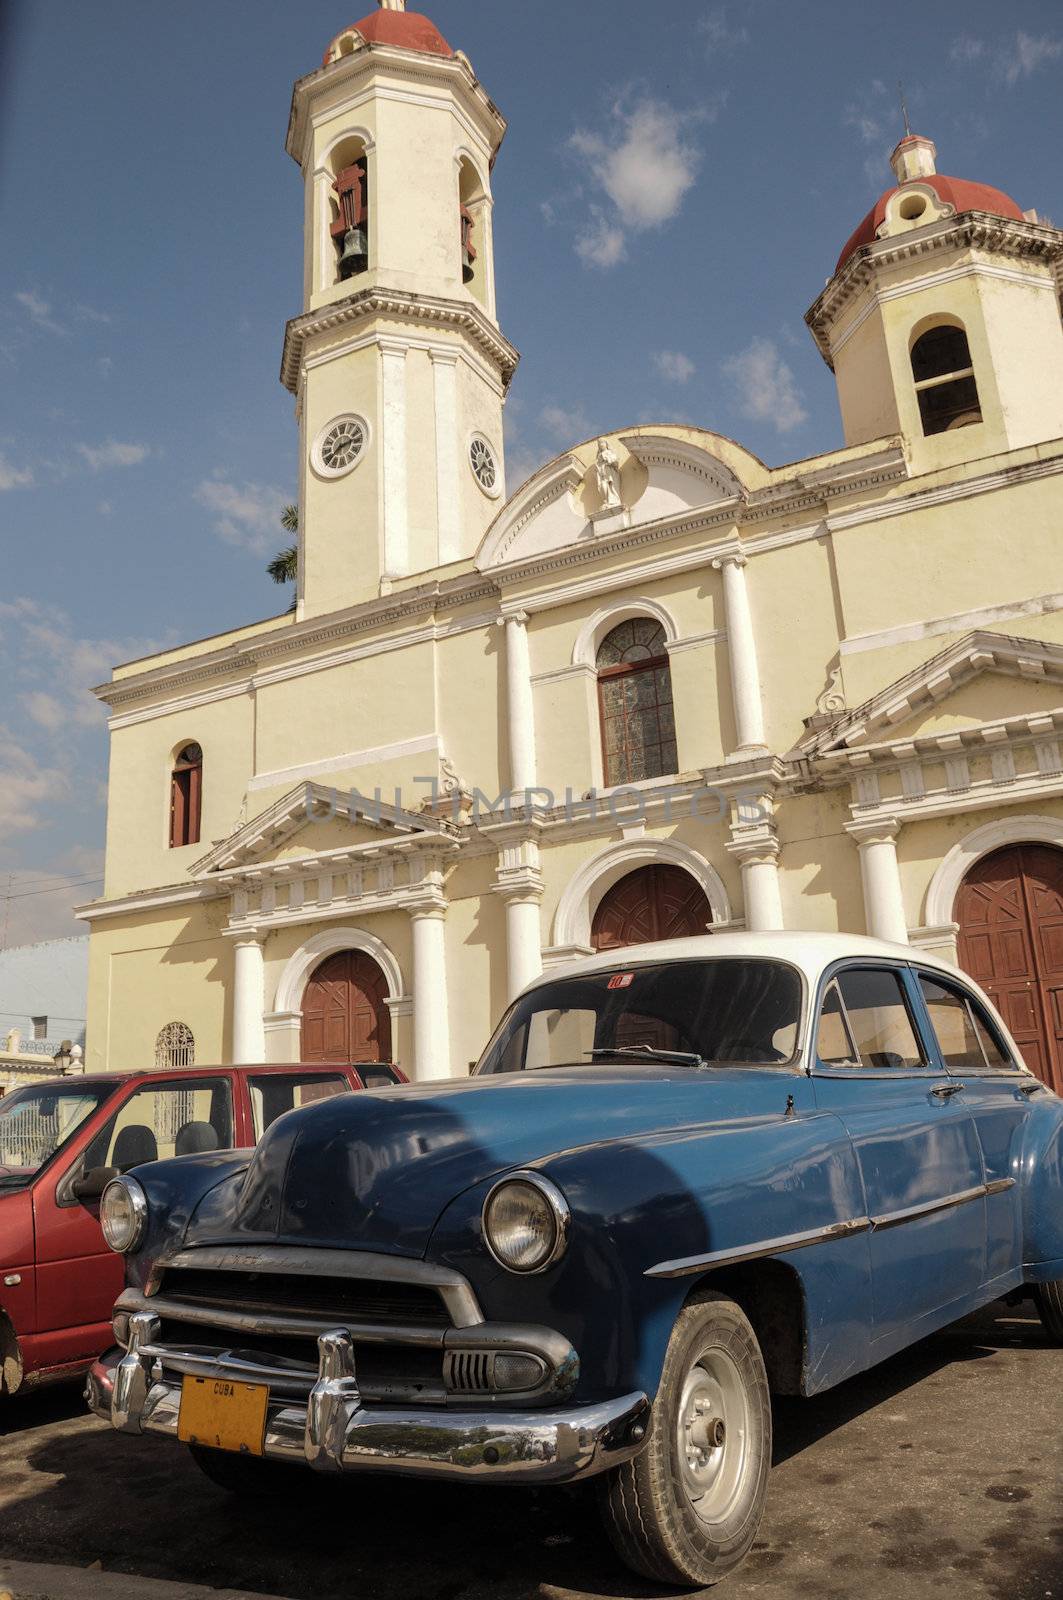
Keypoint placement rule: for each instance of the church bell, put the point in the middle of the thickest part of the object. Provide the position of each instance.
(354, 256)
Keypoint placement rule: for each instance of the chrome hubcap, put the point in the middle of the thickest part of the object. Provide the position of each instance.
(713, 1434)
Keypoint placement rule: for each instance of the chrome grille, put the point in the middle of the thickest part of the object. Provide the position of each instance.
(359, 1300)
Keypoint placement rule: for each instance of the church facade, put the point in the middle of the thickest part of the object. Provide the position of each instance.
(661, 687)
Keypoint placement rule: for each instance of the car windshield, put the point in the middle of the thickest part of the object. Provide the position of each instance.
(36, 1121)
(681, 1013)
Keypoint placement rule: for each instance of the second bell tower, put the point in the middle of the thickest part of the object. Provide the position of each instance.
(397, 362)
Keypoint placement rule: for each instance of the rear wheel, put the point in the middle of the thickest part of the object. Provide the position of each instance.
(1049, 1301)
(687, 1508)
(250, 1476)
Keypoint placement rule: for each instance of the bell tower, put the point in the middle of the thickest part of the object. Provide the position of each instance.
(942, 319)
(397, 361)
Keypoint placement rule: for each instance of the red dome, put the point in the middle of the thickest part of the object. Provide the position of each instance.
(408, 30)
(951, 191)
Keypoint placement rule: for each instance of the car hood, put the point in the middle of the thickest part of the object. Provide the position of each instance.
(375, 1170)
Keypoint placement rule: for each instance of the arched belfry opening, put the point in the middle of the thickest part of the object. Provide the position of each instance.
(349, 207)
(472, 203)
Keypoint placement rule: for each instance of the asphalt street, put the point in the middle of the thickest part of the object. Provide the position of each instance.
(939, 1473)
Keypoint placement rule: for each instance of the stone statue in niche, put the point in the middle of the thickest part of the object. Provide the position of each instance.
(607, 476)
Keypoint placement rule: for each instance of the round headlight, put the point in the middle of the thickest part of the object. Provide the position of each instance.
(123, 1214)
(525, 1222)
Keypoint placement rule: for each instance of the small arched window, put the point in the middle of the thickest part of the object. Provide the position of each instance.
(175, 1046)
(944, 379)
(635, 703)
(186, 796)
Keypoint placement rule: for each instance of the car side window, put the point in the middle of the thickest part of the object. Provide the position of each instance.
(171, 1118)
(834, 1045)
(963, 1033)
(875, 1014)
(274, 1093)
(377, 1075)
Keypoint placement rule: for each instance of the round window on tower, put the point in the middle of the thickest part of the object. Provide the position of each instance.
(484, 465)
(339, 446)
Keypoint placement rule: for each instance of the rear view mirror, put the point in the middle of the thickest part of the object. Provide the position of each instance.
(92, 1183)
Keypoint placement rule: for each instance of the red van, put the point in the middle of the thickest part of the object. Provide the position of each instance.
(61, 1142)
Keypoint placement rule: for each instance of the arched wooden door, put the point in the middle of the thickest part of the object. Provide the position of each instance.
(344, 1014)
(1010, 912)
(651, 903)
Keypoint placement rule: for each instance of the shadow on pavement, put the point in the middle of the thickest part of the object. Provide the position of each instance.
(73, 1491)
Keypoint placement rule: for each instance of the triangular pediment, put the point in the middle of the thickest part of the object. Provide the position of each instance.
(313, 820)
(943, 696)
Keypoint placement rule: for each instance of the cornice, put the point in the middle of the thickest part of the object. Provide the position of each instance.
(430, 310)
(970, 230)
(452, 72)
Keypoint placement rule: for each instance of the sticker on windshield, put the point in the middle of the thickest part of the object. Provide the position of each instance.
(620, 980)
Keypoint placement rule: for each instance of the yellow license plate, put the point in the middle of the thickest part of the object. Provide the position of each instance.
(223, 1415)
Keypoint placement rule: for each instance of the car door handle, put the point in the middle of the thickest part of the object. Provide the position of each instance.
(944, 1091)
(1031, 1088)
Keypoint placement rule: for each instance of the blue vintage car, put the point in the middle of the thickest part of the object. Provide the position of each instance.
(682, 1178)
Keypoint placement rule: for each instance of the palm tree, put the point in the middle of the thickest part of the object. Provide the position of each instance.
(284, 568)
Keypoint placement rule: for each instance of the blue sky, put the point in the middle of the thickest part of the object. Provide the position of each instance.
(672, 193)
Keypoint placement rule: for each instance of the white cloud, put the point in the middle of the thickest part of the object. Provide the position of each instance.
(765, 388)
(564, 425)
(1029, 54)
(600, 243)
(1012, 59)
(674, 366)
(38, 903)
(113, 454)
(26, 787)
(65, 663)
(645, 164)
(966, 48)
(718, 34)
(246, 514)
(14, 477)
(39, 310)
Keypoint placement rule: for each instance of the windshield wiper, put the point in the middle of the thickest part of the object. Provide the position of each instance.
(649, 1052)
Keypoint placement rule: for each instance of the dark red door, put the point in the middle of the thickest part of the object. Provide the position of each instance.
(344, 1014)
(651, 903)
(1010, 912)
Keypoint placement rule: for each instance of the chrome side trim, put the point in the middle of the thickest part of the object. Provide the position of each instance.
(945, 1202)
(837, 1230)
(754, 1252)
(455, 1291)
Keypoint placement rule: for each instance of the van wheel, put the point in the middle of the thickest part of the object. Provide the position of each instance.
(687, 1508)
(250, 1476)
(1048, 1298)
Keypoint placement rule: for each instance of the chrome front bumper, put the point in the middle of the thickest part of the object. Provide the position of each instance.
(335, 1432)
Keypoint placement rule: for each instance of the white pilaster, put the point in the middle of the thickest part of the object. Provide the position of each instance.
(249, 999)
(448, 491)
(395, 556)
(519, 882)
(520, 712)
(431, 1032)
(742, 657)
(881, 878)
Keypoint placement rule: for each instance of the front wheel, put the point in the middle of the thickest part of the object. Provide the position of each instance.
(687, 1508)
(1048, 1298)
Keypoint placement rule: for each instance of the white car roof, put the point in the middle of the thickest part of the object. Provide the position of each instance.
(810, 952)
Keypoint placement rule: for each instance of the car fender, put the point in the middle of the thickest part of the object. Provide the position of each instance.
(1041, 1177)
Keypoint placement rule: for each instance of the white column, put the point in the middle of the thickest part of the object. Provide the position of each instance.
(431, 1033)
(395, 556)
(742, 656)
(249, 1001)
(520, 712)
(880, 874)
(524, 940)
(760, 887)
(448, 491)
